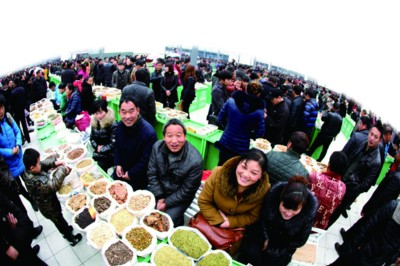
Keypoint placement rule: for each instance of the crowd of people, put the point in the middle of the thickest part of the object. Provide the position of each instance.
(272, 197)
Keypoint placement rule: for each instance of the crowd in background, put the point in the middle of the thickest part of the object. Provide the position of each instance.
(272, 195)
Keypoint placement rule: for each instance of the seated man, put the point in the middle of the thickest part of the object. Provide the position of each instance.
(175, 170)
(329, 188)
(133, 143)
(283, 165)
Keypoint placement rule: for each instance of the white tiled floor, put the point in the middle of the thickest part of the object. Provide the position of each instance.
(55, 250)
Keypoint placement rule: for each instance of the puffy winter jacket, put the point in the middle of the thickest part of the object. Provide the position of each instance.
(310, 113)
(10, 136)
(176, 182)
(354, 143)
(74, 107)
(242, 114)
(103, 133)
(145, 99)
(332, 124)
(284, 165)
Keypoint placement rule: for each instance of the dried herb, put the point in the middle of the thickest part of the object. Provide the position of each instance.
(168, 256)
(139, 238)
(214, 259)
(118, 254)
(84, 219)
(102, 204)
(189, 243)
(157, 221)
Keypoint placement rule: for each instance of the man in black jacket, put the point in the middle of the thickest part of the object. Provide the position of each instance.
(68, 74)
(99, 73)
(275, 121)
(39, 86)
(358, 137)
(375, 238)
(18, 102)
(143, 94)
(175, 171)
(362, 172)
(295, 121)
(330, 129)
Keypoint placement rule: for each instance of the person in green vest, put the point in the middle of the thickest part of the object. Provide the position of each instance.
(64, 100)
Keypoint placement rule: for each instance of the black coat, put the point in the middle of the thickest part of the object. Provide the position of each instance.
(332, 124)
(67, 76)
(296, 113)
(178, 182)
(375, 238)
(144, 97)
(18, 101)
(286, 234)
(39, 89)
(87, 97)
(276, 121)
(388, 189)
(354, 143)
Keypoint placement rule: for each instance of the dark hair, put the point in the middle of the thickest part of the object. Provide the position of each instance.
(297, 89)
(273, 79)
(127, 99)
(387, 129)
(140, 62)
(254, 75)
(252, 155)
(79, 77)
(170, 66)
(173, 121)
(366, 121)
(310, 93)
(100, 105)
(70, 87)
(62, 86)
(378, 125)
(299, 142)
(2, 100)
(30, 157)
(141, 74)
(338, 162)
(254, 88)
(295, 193)
(225, 74)
(52, 84)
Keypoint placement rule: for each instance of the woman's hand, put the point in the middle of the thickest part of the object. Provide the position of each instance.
(119, 171)
(265, 246)
(225, 224)
(168, 93)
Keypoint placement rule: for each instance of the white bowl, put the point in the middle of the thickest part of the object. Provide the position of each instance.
(73, 161)
(96, 219)
(84, 206)
(84, 169)
(111, 242)
(149, 207)
(160, 235)
(147, 251)
(106, 213)
(90, 230)
(163, 245)
(120, 231)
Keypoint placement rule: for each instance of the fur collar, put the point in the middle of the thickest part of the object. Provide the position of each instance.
(107, 121)
(230, 190)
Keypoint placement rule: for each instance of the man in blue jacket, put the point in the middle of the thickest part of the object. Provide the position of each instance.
(133, 143)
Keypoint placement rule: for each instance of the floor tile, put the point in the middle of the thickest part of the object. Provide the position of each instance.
(331, 240)
(67, 257)
(48, 227)
(95, 260)
(52, 262)
(83, 250)
(45, 251)
(321, 255)
(57, 242)
(330, 255)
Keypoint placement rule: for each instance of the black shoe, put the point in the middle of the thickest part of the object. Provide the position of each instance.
(36, 249)
(345, 215)
(343, 233)
(337, 248)
(70, 228)
(37, 231)
(75, 240)
(34, 206)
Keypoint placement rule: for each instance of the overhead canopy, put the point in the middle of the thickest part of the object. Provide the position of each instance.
(348, 46)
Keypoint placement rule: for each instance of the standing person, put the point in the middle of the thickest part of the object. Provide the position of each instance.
(328, 188)
(16, 236)
(68, 74)
(39, 86)
(43, 188)
(133, 143)
(169, 84)
(362, 172)
(386, 146)
(376, 238)
(175, 171)
(64, 99)
(78, 82)
(243, 114)
(99, 73)
(330, 129)
(102, 136)
(358, 138)
(156, 78)
(11, 149)
(310, 112)
(18, 103)
(232, 195)
(143, 95)
(82, 70)
(287, 216)
(120, 77)
(188, 92)
(295, 113)
(87, 97)
(276, 119)
(74, 106)
(109, 69)
(219, 94)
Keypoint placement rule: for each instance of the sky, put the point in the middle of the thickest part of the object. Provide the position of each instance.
(349, 46)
